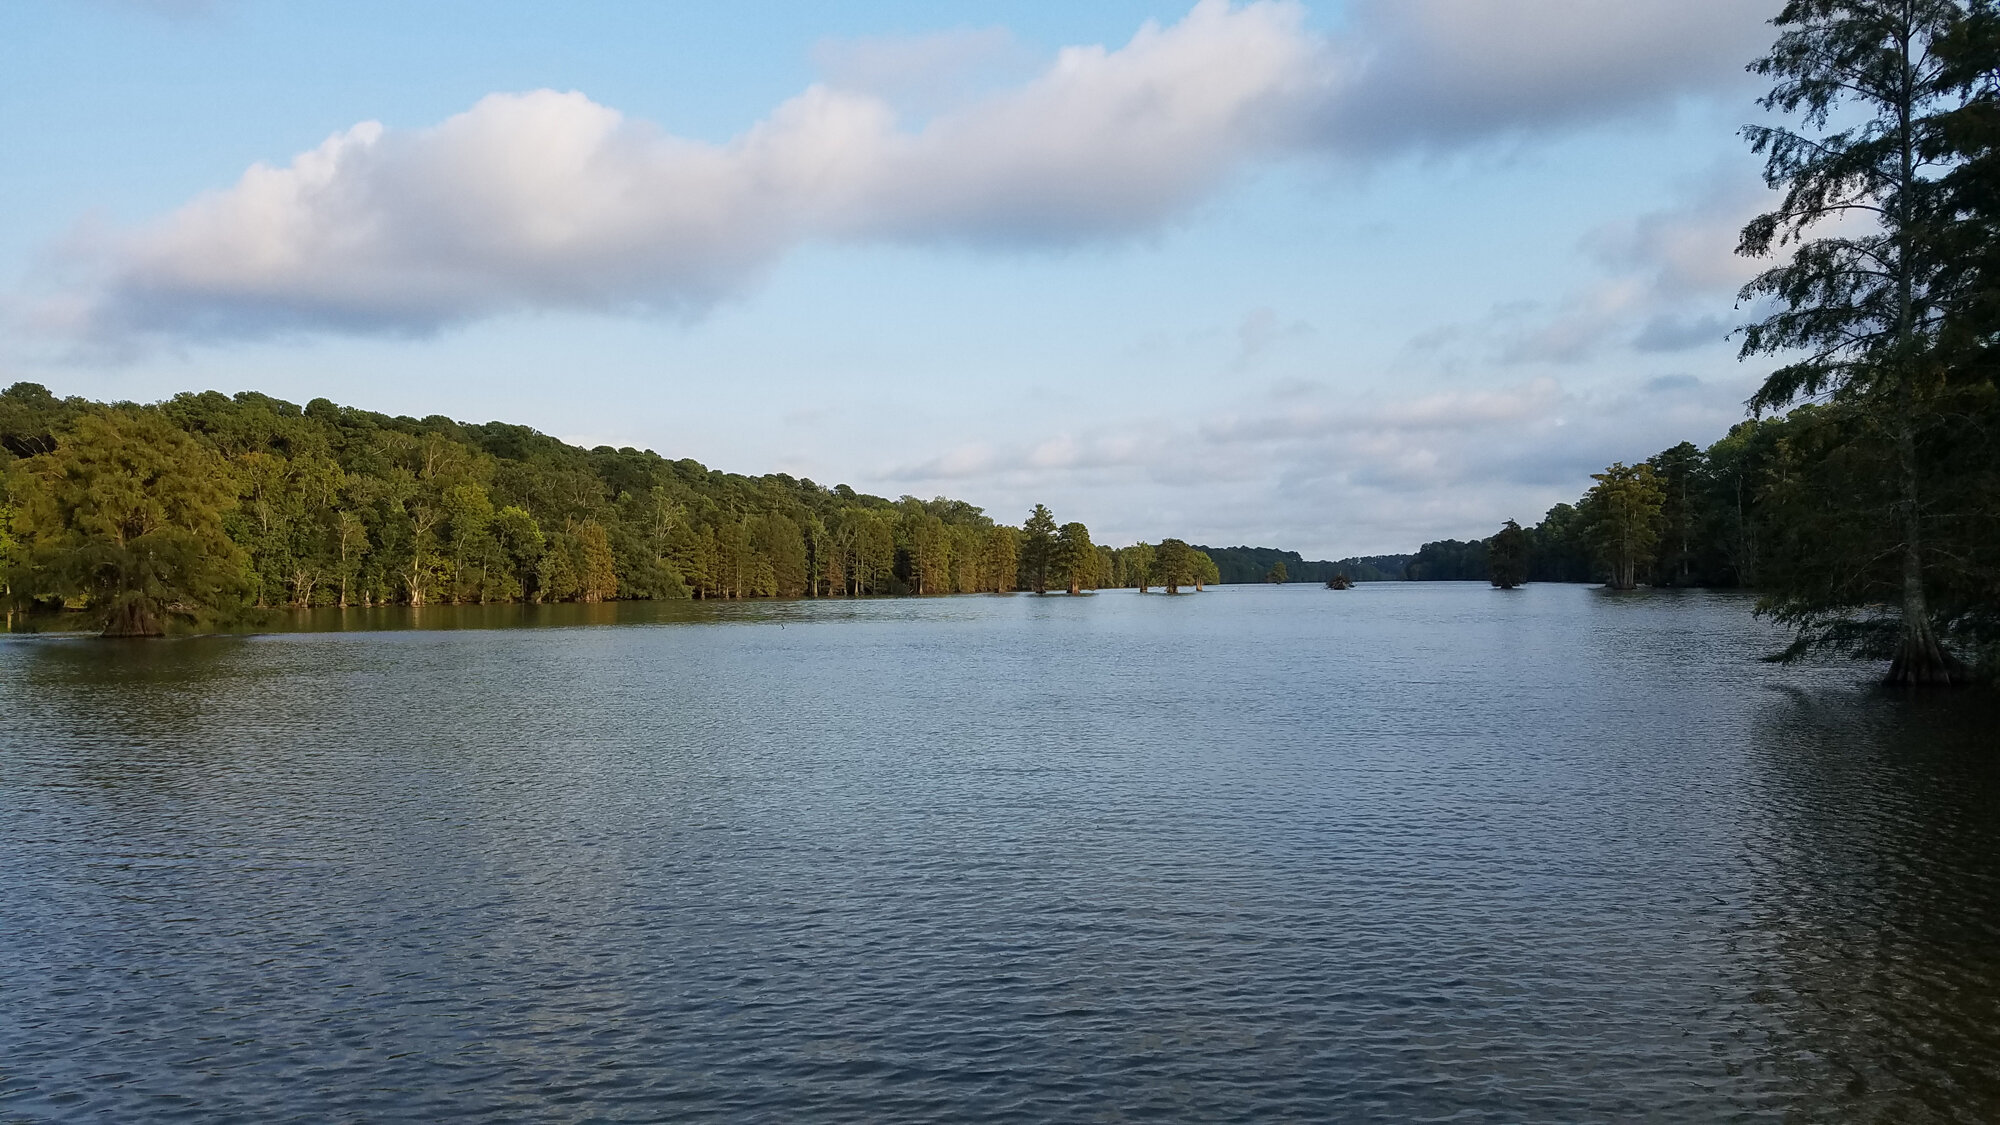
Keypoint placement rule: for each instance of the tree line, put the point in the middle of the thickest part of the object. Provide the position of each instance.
(210, 504)
(1862, 498)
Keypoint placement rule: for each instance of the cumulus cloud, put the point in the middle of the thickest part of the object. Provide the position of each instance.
(548, 199)
(1436, 72)
(1666, 280)
(924, 72)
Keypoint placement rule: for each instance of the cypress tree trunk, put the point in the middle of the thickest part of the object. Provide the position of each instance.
(1920, 660)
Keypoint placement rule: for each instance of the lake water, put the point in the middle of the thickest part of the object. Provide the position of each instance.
(1406, 852)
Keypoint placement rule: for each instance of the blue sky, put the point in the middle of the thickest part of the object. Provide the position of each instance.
(1341, 277)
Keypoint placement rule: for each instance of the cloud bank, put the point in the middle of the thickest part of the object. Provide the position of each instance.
(549, 200)
(1340, 474)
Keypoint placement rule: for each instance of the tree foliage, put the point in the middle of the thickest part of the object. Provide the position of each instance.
(1507, 556)
(207, 501)
(1076, 560)
(1860, 311)
(125, 514)
(1622, 514)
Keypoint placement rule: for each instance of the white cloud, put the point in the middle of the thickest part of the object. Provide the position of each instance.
(1665, 282)
(1354, 474)
(924, 72)
(550, 200)
(1444, 71)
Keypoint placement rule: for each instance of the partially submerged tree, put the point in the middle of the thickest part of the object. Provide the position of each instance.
(1507, 556)
(1174, 565)
(1139, 559)
(125, 514)
(1076, 559)
(1622, 511)
(1038, 549)
(1860, 308)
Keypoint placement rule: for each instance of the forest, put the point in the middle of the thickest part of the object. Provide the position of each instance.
(210, 505)
(1269, 564)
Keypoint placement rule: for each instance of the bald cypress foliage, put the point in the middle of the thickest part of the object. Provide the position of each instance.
(210, 503)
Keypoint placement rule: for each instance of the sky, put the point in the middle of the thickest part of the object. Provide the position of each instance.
(1339, 277)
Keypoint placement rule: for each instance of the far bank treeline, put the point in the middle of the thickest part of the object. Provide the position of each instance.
(1763, 508)
(211, 503)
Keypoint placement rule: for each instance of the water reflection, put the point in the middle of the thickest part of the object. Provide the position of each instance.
(1256, 855)
(1877, 875)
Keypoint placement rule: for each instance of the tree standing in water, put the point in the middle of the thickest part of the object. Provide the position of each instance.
(126, 513)
(1038, 549)
(1173, 565)
(1507, 557)
(1076, 558)
(1857, 307)
(1623, 510)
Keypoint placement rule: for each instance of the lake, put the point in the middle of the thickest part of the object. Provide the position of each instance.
(1406, 852)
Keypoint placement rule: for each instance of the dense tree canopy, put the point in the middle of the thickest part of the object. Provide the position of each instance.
(209, 502)
(125, 512)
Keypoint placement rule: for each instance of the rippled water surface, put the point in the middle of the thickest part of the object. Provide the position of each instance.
(1408, 852)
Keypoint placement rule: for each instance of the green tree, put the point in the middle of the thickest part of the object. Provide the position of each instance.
(874, 553)
(350, 545)
(1859, 308)
(596, 578)
(925, 544)
(1173, 565)
(1679, 471)
(1076, 558)
(518, 541)
(1038, 550)
(468, 523)
(126, 513)
(1622, 511)
(1507, 556)
(1107, 574)
(777, 539)
(1277, 573)
(1561, 547)
(1000, 561)
(1139, 566)
(1206, 572)
(556, 577)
